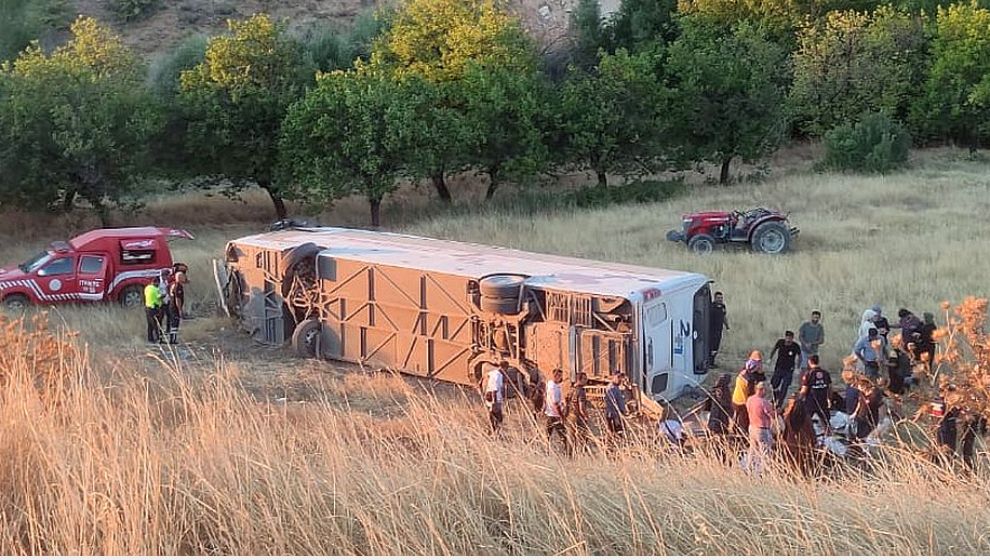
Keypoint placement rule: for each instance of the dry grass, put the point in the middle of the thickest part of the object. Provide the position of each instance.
(185, 462)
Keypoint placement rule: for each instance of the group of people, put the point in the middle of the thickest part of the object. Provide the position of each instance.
(566, 417)
(164, 304)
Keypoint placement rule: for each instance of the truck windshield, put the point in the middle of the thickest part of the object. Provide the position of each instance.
(34, 262)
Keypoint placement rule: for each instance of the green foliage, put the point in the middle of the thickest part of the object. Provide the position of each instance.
(23, 21)
(166, 71)
(636, 192)
(506, 112)
(332, 48)
(438, 39)
(875, 144)
(728, 88)
(609, 120)
(352, 134)
(235, 100)
(853, 63)
(75, 123)
(644, 24)
(131, 10)
(956, 101)
(590, 34)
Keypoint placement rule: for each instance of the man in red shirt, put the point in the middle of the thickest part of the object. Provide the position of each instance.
(761, 414)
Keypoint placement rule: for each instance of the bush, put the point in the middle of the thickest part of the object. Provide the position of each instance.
(635, 192)
(875, 144)
(130, 10)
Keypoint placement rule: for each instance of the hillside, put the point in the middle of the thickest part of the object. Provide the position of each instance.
(174, 19)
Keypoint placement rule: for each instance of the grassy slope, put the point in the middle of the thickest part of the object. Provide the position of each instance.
(155, 458)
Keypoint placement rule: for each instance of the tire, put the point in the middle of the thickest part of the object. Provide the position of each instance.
(772, 238)
(306, 338)
(702, 244)
(131, 297)
(16, 303)
(502, 306)
(501, 286)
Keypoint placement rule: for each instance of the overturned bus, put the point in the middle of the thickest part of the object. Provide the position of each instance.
(449, 310)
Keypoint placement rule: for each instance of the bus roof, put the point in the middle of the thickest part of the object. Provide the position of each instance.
(476, 260)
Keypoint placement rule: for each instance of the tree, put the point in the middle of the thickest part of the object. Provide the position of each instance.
(644, 24)
(608, 120)
(23, 21)
(956, 100)
(505, 109)
(590, 34)
(234, 103)
(728, 88)
(75, 123)
(351, 134)
(854, 63)
(438, 39)
(779, 18)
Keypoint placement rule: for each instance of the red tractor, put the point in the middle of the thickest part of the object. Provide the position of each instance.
(766, 231)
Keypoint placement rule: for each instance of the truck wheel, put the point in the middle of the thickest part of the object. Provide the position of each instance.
(502, 306)
(771, 238)
(16, 303)
(501, 286)
(702, 244)
(306, 338)
(131, 297)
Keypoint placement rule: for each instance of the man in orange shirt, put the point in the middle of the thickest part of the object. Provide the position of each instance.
(761, 414)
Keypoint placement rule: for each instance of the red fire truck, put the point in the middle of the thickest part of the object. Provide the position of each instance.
(101, 265)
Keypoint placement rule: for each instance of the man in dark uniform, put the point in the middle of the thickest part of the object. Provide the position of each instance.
(788, 355)
(816, 384)
(717, 320)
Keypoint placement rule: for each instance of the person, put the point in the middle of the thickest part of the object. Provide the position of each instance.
(866, 324)
(900, 368)
(761, 415)
(746, 382)
(880, 322)
(152, 310)
(869, 350)
(799, 434)
(615, 406)
(176, 304)
(494, 393)
(718, 320)
(811, 335)
(946, 435)
(576, 410)
(671, 430)
(926, 340)
(554, 409)
(854, 405)
(788, 353)
(976, 424)
(874, 397)
(910, 326)
(816, 384)
(718, 405)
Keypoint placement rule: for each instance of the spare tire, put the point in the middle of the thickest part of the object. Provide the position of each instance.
(502, 306)
(501, 286)
(292, 259)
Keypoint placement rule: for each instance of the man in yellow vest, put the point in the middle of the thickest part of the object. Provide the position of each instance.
(745, 387)
(152, 309)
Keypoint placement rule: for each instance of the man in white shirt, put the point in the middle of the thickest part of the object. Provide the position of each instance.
(493, 390)
(554, 407)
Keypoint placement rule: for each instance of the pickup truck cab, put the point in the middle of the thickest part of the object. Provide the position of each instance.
(103, 265)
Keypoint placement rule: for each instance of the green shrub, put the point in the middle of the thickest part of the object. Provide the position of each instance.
(635, 192)
(130, 10)
(875, 144)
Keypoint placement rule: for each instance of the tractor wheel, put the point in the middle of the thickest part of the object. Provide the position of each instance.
(16, 303)
(306, 338)
(132, 297)
(771, 238)
(501, 286)
(702, 244)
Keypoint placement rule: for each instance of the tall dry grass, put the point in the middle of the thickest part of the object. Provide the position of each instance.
(97, 459)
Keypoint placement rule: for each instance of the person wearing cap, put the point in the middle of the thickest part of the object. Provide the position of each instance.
(761, 414)
(745, 387)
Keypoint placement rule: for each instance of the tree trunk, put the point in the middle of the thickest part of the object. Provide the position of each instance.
(440, 184)
(602, 178)
(102, 212)
(69, 201)
(277, 201)
(492, 182)
(376, 210)
(723, 178)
